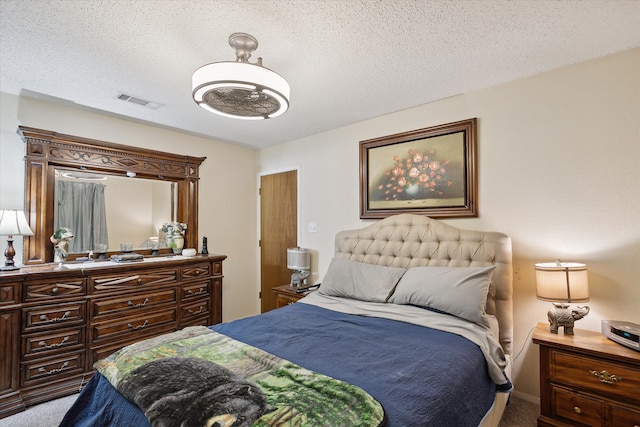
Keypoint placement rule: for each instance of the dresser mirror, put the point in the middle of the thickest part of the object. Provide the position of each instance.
(105, 210)
(150, 187)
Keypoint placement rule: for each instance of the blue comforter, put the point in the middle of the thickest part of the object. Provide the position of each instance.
(421, 376)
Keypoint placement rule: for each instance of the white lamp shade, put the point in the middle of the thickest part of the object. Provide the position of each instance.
(14, 223)
(298, 259)
(562, 281)
(244, 77)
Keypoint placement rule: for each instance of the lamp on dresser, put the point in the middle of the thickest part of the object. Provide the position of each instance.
(12, 223)
(563, 283)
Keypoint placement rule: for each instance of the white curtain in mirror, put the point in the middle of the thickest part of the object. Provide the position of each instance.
(80, 206)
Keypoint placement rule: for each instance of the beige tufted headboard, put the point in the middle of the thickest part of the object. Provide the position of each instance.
(413, 240)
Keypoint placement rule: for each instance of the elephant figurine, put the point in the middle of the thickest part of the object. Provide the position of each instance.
(561, 315)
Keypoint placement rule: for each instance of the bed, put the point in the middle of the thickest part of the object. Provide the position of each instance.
(411, 326)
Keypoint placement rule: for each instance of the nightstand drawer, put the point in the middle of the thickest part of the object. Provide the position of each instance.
(576, 407)
(282, 300)
(598, 375)
(286, 295)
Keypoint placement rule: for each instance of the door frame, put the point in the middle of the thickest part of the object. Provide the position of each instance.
(258, 206)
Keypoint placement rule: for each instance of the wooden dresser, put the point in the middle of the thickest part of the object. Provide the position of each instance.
(587, 380)
(56, 322)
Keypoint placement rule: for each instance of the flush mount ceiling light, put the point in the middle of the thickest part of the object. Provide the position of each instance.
(240, 89)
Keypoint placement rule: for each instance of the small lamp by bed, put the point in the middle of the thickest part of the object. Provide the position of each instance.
(563, 283)
(299, 260)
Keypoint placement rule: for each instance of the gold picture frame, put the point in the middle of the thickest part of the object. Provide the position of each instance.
(430, 171)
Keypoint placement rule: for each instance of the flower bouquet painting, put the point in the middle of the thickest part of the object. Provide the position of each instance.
(418, 175)
(430, 171)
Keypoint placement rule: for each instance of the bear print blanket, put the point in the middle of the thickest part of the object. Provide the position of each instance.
(212, 378)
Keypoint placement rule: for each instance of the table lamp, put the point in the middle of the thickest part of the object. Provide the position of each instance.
(563, 283)
(12, 223)
(299, 260)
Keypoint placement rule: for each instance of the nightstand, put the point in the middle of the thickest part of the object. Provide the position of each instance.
(587, 379)
(287, 294)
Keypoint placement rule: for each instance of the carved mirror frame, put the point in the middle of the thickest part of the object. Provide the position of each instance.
(46, 150)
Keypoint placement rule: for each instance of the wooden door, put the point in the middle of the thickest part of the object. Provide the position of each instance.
(278, 231)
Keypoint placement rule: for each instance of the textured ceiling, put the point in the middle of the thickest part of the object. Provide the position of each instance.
(346, 60)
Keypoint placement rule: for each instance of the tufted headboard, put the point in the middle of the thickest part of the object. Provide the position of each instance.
(413, 240)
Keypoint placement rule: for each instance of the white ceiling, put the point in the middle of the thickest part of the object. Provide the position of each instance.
(346, 60)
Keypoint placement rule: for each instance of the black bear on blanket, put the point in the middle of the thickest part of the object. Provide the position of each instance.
(192, 392)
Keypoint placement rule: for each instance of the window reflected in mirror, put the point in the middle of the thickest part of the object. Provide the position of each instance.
(104, 210)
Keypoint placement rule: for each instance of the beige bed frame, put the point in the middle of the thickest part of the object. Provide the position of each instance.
(413, 240)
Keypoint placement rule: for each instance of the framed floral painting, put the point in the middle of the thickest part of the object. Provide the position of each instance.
(430, 171)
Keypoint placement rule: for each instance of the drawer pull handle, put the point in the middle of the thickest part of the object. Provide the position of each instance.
(55, 290)
(135, 328)
(139, 280)
(142, 304)
(54, 345)
(202, 308)
(606, 377)
(65, 316)
(199, 292)
(577, 410)
(54, 371)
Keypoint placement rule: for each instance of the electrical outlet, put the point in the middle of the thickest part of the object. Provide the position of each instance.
(312, 227)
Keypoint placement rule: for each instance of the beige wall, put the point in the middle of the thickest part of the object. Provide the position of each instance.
(558, 171)
(227, 208)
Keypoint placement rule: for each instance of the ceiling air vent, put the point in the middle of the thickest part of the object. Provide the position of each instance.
(138, 101)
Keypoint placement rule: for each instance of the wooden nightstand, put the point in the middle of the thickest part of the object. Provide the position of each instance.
(287, 294)
(587, 379)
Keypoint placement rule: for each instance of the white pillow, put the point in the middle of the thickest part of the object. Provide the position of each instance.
(461, 291)
(358, 280)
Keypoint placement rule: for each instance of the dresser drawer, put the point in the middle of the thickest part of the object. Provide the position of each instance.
(195, 290)
(127, 281)
(132, 303)
(107, 348)
(196, 271)
(49, 316)
(52, 369)
(576, 407)
(197, 309)
(46, 343)
(48, 289)
(597, 375)
(123, 328)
